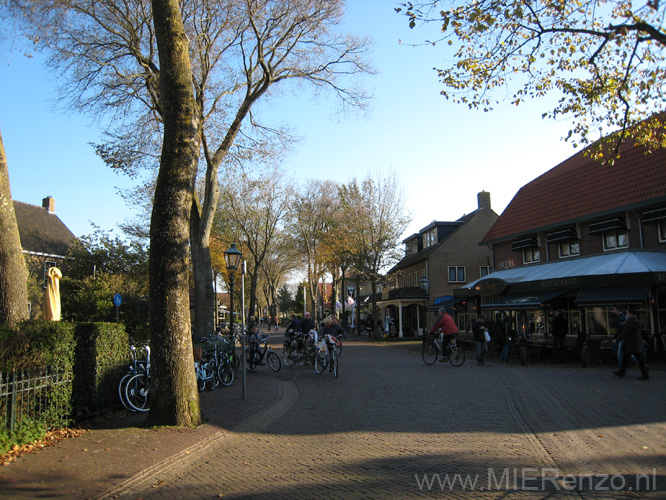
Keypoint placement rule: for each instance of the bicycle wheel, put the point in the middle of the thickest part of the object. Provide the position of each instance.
(122, 386)
(320, 362)
(210, 375)
(201, 381)
(225, 374)
(136, 392)
(288, 356)
(334, 360)
(253, 359)
(273, 361)
(429, 353)
(456, 356)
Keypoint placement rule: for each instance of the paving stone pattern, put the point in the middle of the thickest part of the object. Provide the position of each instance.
(392, 427)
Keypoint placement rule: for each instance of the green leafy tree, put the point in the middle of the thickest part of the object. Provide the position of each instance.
(285, 300)
(99, 266)
(604, 58)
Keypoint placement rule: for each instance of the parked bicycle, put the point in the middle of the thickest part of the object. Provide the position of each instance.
(140, 363)
(204, 363)
(261, 351)
(137, 387)
(433, 348)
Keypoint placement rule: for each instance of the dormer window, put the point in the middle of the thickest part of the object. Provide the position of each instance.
(429, 238)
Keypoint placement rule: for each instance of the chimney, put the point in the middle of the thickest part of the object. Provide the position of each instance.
(49, 204)
(484, 199)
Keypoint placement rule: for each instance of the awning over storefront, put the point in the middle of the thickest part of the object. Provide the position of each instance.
(523, 300)
(585, 271)
(591, 297)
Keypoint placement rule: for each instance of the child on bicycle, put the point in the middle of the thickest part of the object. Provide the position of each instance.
(448, 328)
(253, 341)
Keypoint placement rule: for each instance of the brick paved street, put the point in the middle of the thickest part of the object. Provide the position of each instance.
(389, 423)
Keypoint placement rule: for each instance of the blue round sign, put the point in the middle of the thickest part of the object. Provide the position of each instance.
(117, 299)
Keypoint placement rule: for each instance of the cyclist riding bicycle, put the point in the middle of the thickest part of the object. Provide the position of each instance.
(448, 328)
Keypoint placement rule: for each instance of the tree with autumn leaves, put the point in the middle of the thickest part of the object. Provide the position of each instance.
(603, 59)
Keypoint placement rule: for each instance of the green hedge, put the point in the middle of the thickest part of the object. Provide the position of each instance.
(95, 353)
(101, 356)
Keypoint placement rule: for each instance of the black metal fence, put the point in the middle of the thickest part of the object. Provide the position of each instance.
(38, 397)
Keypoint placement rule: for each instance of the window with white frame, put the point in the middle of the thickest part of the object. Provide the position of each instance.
(456, 274)
(423, 273)
(662, 230)
(613, 240)
(485, 271)
(569, 248)
(530, 255)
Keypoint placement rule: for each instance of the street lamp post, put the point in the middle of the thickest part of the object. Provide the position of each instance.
(423, 284)
(232, 258)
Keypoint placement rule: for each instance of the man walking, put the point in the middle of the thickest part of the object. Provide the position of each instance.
(559, 331)
(479, 330)
(633, 344)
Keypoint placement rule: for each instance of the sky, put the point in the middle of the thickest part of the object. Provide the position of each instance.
(442, 153)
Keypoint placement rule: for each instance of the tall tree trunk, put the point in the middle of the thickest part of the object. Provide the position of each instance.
(204, 294)
(173, 391)
(13, 273)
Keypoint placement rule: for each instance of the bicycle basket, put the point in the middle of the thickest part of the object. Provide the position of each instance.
(198, 353)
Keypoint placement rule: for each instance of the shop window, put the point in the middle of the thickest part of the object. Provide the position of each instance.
(530, 255)
(456, 274)
(485, 271)
(616, 239)
(569, 248)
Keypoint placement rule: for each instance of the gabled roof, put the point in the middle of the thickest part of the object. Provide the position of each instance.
(581, 188)
(42, 232)
(449, 228)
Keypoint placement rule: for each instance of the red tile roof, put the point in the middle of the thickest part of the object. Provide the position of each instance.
(580, 188)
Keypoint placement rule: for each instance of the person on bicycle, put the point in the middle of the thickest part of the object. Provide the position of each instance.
(448, 329)
(294, 327)
(253, 341)
(333, 328)
(307, 324)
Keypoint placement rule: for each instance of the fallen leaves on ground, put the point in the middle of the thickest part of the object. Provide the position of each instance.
(52, 437)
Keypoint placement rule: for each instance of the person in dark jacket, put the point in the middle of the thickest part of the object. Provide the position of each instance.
(560, 328)
(479, 331)
(293, 328)
(633, 344)
(307, 324)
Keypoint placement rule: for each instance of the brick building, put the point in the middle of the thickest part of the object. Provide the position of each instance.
(446, 254)
(582, 237)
